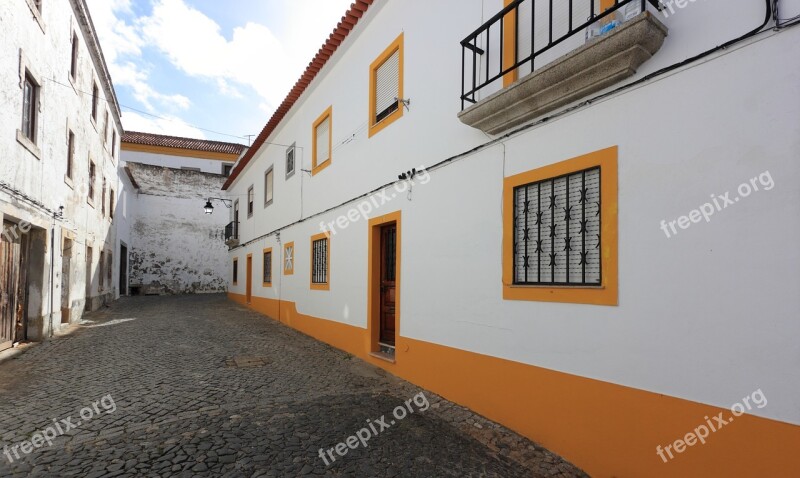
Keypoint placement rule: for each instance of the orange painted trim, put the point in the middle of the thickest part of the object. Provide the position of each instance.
(286, 270)
(606, 4)
(264, 253)
(509, 45)
(396, 46)
(607, 293)
(326, 285)
(235, 278)
(188, 153)
(374, 274)
(608, 430)
(317, 167)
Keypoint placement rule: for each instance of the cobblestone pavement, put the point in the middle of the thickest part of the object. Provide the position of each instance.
(204, 387)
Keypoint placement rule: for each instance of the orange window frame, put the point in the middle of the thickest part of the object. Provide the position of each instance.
(287, 271)
(608, 291)
(377, 126)
(327, 284)
(315, 166)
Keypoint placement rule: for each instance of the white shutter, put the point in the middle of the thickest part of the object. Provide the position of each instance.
(387, 79)
(323, 138)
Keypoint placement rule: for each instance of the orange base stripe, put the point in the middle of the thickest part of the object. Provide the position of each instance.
(608, 430)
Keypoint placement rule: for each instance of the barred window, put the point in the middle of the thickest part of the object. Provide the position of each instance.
(319, 271)
(290, 161)
(557, 231)
(268, 267)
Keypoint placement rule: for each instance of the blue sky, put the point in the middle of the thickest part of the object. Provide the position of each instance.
(197, 68)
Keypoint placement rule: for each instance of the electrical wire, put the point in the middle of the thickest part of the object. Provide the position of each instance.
(583, 104)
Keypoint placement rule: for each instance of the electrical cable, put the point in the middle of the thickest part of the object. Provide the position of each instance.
(627, 86)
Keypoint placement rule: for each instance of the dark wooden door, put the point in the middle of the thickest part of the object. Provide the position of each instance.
(12, 285)
(249, 279)
(387, 278)
(123, 270)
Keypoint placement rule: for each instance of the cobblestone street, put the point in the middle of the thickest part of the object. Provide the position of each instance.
(203, 387)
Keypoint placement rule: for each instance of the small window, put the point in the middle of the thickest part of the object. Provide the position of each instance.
(73, 65)
(227, 169)
(386, 87)
(103, 199)
(268, 187)
(288, 258)
(268, 267)
(113, 143)
(95, 101)
(109, 269)
(105, 129)
(290, 151)
(187, 168)
(235, 271)
(91, 181)
(321, 157)
(111, 200)
(70, 153)
(320, 262)
(250, 199)
(30, 106)
(101, 268)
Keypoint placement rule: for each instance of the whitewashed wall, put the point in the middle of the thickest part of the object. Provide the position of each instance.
(708, 315)
(212, 166)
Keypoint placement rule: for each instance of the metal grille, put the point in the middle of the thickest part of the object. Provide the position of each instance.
(268, 267)
(319, 274)
(290, 161)
(387, 80)
(557, 231)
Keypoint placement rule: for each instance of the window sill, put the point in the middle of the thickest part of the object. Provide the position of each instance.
(318, 168)
(593, 67)
(267, 204)
(382, 356)
(376, 128)
(68, 182)
(266, 284)
(29, 145)
(320, 287)
(72, 82)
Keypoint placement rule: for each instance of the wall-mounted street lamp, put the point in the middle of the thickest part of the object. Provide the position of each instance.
(209, 208)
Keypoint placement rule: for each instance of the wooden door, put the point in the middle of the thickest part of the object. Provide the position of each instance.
(123, 270)
(12, 285)
(66, 271)
(387, 283)
(249, 279)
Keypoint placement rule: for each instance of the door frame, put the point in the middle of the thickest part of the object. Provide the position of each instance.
(249, 279)
(374, 278)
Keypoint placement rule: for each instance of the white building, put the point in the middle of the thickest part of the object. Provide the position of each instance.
(556, 263)
(59, 141)
(215, 157)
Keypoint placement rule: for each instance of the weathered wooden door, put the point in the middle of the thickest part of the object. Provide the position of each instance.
(387, 278)
(12, 285)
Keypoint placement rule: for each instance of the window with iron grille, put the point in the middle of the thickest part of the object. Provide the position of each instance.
(319, 268)
(557, 231)
(30, 100)
(288, 258)
(290, 161)
(268, 267)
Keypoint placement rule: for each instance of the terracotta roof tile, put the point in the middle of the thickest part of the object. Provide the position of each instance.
(343, 28)
(149, 139)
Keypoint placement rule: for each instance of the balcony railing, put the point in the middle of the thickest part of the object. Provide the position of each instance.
(536, 28)
(232, 233)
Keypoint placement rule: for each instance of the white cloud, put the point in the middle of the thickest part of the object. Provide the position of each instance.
(169, 125)
(129, 74)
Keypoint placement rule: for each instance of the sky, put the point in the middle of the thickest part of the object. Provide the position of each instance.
(208, 69)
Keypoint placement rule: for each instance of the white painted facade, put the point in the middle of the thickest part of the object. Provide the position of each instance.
(708, 315)
(33, 174)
